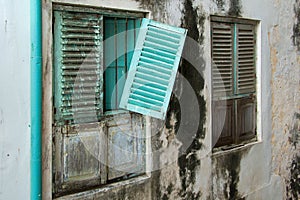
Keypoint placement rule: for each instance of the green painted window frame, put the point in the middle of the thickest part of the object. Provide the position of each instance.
(117, 120)
(104, 97)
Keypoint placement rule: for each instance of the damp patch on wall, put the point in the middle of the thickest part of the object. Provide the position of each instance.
(235, 8)
(296, 27)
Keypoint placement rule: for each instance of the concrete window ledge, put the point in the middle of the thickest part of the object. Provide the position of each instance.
(234, 148)
(114, 189)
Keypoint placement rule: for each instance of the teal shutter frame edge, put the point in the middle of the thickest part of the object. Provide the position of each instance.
(134, 63)
(57, 54)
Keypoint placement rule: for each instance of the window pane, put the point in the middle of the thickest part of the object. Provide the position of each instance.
(118, 51)
(109, 60)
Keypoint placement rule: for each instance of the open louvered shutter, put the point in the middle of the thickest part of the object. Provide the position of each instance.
(222, 57)
(246, 59)
(77, 67)
(153, 69)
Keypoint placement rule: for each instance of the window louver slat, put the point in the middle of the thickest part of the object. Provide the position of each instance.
(78, 67)
(153, 69)
(222, 56)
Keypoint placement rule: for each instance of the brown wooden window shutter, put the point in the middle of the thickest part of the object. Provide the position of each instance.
(233, 80)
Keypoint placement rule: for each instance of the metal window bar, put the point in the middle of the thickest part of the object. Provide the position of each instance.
(116, 60)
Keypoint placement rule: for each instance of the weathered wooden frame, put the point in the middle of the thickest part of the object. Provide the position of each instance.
(47, 94)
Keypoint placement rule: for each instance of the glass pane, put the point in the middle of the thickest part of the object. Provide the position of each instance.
(118, 51)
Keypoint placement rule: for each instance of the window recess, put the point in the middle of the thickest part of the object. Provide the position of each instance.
(91, 149)
(233, 45)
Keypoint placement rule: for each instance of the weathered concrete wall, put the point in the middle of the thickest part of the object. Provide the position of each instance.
(285, 65)
(14, 100)
(268, 169)
(185, 167)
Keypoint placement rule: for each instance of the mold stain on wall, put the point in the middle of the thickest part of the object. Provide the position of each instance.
(227, 169)
(220, 4)
(188, 161)
(295, 130)
(296, 28)
(235, 8)
(157, 8)
(294, 185)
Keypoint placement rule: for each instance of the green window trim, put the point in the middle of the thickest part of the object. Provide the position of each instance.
(114, 56)
(109, 146)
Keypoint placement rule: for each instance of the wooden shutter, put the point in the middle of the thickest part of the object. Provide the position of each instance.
(246, 74)
(246, 118)
(79, 158)
(222, 57)
(78, 144)
(77, 67)
(223, 123)
(126, 146)
(153, 69)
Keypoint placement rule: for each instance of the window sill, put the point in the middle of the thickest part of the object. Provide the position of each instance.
(115, 112)
(107, 188)
(233, 148)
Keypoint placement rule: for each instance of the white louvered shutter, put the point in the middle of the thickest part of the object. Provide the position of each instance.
(77, 67)
(153, 69)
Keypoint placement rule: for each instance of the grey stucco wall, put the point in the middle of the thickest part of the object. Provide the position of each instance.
(185, 166)
(14, 100)
(268, 169)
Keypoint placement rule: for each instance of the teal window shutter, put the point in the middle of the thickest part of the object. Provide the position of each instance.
(153, 69)
(77, 67)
